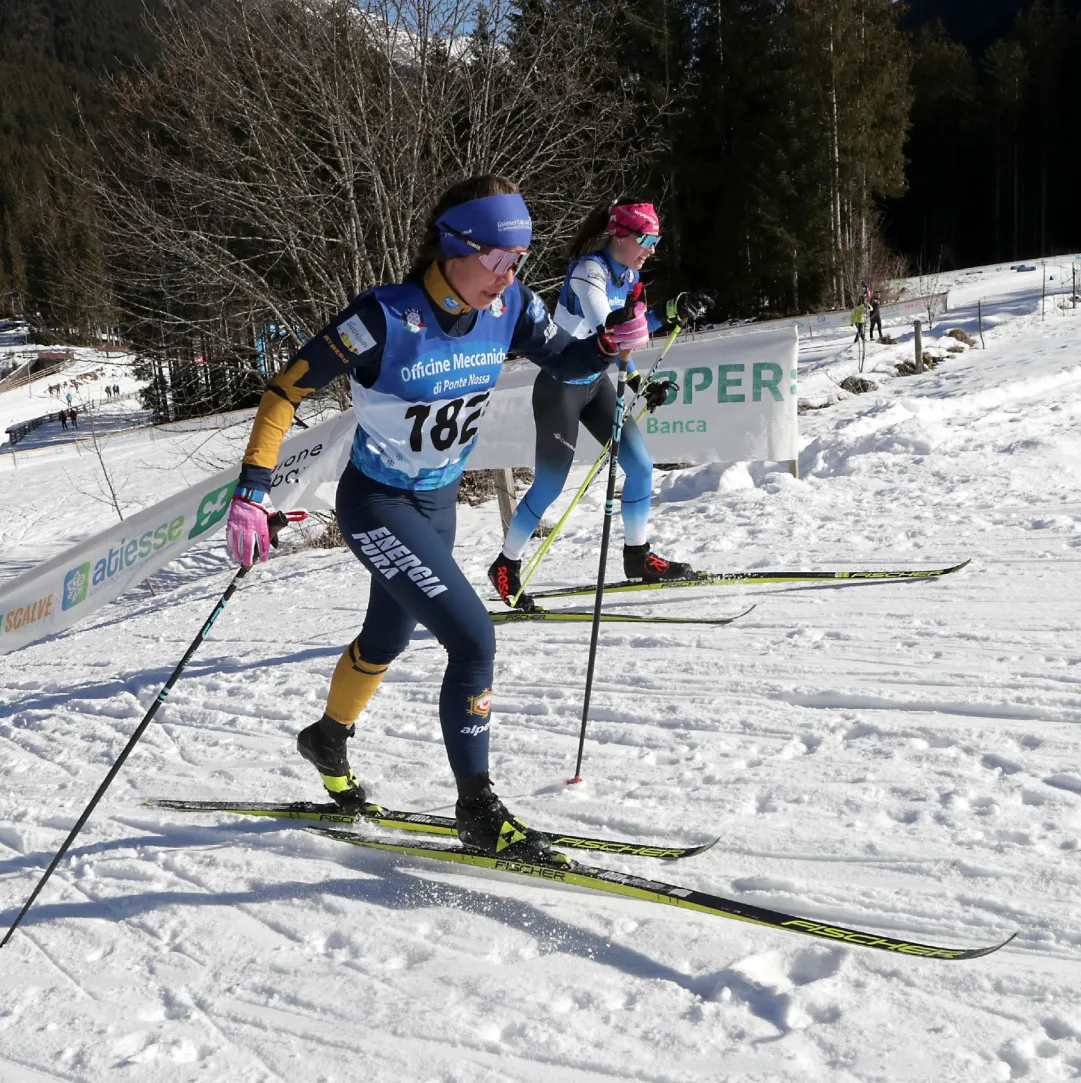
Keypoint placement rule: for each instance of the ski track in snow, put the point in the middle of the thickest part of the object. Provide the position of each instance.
(900, 757)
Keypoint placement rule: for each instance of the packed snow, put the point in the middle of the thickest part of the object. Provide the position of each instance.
(896, 757)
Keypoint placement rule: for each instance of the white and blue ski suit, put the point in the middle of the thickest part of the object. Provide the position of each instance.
(594, 286)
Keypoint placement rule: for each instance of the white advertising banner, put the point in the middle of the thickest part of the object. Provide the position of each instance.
(60, 592)
(736, 402)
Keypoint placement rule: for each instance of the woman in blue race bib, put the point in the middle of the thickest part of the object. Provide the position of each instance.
(422, 357)
(607, 257)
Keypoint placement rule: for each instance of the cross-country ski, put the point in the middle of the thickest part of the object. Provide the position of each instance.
(637, 887)
(424, 823)
(568, 616)
(720, 579)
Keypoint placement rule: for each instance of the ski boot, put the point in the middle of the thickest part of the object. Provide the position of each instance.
(323, 744)
(640, 563)
(505, 575)
(485, 823)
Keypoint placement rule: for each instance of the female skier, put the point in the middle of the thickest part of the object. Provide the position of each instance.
(422, 356)
(607, 256)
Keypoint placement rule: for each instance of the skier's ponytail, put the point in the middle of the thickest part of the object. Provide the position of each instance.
(487, 184)
(593, 234)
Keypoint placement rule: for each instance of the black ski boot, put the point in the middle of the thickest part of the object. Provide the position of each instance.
(323, 744)
(640, 563)
(485, 823)
(505, 575)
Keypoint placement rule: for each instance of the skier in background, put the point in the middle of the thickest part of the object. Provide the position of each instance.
(607, 256)
(403, 346)
(876, 320)
(858, 320)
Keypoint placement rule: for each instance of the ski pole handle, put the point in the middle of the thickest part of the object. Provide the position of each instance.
(280, 520)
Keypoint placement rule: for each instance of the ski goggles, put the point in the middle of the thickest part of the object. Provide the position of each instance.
(648, 241)
(497, 260)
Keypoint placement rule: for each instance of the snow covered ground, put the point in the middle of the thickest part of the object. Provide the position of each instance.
(902, 758)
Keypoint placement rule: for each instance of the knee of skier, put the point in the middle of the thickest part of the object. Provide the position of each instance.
(547, 484)
(379, 653)
(473, 641)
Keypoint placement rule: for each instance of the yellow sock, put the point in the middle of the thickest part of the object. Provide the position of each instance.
(353, 684)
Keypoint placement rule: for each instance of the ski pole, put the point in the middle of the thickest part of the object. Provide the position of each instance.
(534, 561)
(277, 522)
(606, 532)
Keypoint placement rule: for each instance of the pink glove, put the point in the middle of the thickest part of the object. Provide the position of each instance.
(248, 532)
(627, 328)
(632, 333)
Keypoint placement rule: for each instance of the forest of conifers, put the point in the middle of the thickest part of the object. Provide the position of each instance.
(195, 172)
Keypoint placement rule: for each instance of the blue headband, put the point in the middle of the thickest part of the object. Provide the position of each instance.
(497, 221)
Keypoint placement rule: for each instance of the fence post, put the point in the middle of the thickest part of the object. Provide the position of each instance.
(919, 346)
(504, 490)
(979, 311)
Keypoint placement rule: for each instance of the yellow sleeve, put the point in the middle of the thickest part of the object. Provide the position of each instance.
(275, 415)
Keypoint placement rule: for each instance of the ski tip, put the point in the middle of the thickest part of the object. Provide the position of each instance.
(957, 568)
(979, 953)
(694, 851)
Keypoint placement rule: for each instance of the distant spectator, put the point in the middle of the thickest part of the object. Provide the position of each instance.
(116, 389)
(876, 321)
(64, 419)
(108, 392)
(858, 320)
(73, 413)
(68, 397)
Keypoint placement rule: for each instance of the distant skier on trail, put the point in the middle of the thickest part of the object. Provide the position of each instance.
(607, 256)
(858, 320)
(876, 320)
(402, 346)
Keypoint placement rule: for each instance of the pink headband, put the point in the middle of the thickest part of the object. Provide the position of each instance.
(633, 218)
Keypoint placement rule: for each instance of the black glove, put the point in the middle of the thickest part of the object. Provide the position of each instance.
(690, 306)
(655, 392)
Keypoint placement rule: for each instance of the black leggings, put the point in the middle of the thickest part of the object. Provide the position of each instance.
(557, 410)
(405, 538)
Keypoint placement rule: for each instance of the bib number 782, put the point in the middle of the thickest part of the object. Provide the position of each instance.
(443, 429)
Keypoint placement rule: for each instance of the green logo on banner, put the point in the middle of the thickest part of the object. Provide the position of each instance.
(212, 509)
(76, 583)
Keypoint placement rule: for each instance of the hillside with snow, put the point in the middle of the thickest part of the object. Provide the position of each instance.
(897, 757)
